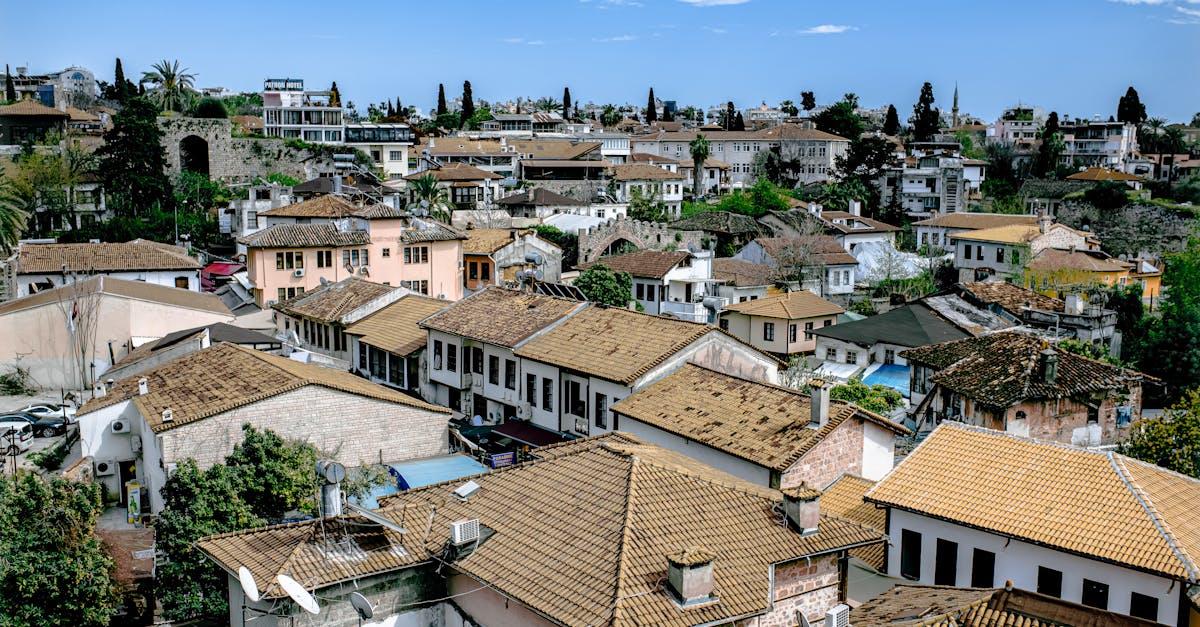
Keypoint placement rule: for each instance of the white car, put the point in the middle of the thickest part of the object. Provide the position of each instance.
(51, 410)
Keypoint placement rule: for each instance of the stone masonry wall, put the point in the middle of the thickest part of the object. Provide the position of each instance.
(237, 159)
(808, 587)
(840, 452)
(354, 429)
(645, 235)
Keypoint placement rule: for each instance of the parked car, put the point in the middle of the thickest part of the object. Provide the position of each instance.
(42, 427)
(43, 410)
(16, 435)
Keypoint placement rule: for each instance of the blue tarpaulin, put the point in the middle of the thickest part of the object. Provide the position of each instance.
(422, 472)
(892, 375)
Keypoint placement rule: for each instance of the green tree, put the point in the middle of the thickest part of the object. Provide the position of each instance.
(120, 84)
(1089, 350)
(566, 103)
(738, 123)
(481, 115)
(925, 120)
(1107, 195)
(13, 217)
(1172, 440)
(53, 570)
(647, 207)
(874, 398)
(568, 242)
(173, 89)
(131, 161)
(609, 116)
(468, 102)
(699, 149)
(841, 119)
(808, 101)
(891, 122)
(1130, 108)
(441, 100)
(789, 108)
(209, 107)
(729, 114)
(865, 161)
(1046, 162)
(10, 91)
(651, 108)
(276, 474)
(1172, 350)
(601, 285)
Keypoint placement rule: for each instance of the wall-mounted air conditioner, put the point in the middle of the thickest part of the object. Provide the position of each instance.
(464, 531)
(105, 468)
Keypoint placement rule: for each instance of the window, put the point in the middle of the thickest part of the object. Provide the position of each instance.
(966, 251)
(983, 569)
(830, 354)
(1095, 594)
(769, 331)
(395, 155)
(362, 356)
(485, 271)
(493, 370)
(437, 354)
(452, 357)
(181, 282)
(889, 356)
(808, 327)
(576, 403)
(531, 389)
(979, 253)
(852, 357)
(724, 324)
(289, 260)
(640, 291)
(387, 252)
(601, 410)
(473, 270)
(999, 255)
(510, 374)
(910, 554)
(792, 333)
(416, 254)
(945, 565)
(324, 258)
(1143, 606)
(477, 360)
(1049, 582)
(547, 394)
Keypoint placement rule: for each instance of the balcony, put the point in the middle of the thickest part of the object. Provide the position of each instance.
(692, 312)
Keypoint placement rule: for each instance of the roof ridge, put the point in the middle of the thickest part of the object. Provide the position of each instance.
(1160, 524)
(626, 539)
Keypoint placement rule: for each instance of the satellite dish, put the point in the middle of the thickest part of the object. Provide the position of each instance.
(249, 586)
(298, 594)
(375, 518)
(362, 606)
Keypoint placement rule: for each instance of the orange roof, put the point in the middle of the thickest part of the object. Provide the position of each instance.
(1102, 174)
(789, 306)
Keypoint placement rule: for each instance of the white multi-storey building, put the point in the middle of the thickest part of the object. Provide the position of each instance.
(1095, 143)
(293, 113)
(387, 144)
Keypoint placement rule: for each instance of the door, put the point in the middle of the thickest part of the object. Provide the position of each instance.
(128, 472)
(479, 405)
(945, 571)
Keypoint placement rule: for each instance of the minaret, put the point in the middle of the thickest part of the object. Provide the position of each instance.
(954, 109)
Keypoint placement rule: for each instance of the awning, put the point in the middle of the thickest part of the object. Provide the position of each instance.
(527, 433)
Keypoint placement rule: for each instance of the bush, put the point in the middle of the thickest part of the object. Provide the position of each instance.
(1108, 195)
(16, 383)
(875, 398)
(210, 108)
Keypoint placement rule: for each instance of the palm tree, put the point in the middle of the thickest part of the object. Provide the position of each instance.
(610, 116)
(425, 190)
(172, 85)
(700, 150)
(548, 105)
(13, 218)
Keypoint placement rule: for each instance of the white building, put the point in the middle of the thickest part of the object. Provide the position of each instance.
(936, 231)
(927, 185)
(241, 217)
(975, 507)
(387, 145)
(1003, 250)
(673, 283)
(653, 183)
(613, 146)
(1094, 143)
(37, 267)
(291, 112)
(827, 268)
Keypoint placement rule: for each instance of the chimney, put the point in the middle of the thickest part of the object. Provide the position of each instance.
(819, 401)
(802, 506)
(98, 391)
(168, 415)
(1048, 363)
(690, 576)
(143, 387)
(1044, 221)
(855, 207)
(1073, 304)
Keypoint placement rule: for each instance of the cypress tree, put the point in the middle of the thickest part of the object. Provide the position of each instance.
(391, 111)
(891, 123)
(808, 100)
(10, 91)
(566, 102)
(119, 81)
(738, 123)
(651, 109)
(1046, 161)
(729, 111)
(925, 118)
(1130, 108)
(441, 106)
(468, 103)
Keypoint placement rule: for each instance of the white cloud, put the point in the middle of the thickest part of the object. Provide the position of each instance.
(1187, 11)
(522, 40)
(1148, 2)
(714, 30)
(828, 29)
(618, 38)
(713, 3)
(604, 4)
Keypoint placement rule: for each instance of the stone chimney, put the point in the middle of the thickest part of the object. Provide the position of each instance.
(143, 387)
(802, 506)
(819, 402)
(1048, 365)
(690, 576)
(1044, 221)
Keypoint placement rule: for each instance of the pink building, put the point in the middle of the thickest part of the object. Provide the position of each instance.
(330, 239)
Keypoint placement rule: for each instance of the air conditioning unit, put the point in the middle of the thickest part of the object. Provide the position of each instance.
(581, 425)
(135, 443)
(839, 616)
(364, 271)
(119, 426)
(298, 272)
(105, 468)
(464, 531)
(524, 411)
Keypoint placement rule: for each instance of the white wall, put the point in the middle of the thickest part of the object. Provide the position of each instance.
(1018, 562)
(879, 451)
(705, 454)
(157, 277)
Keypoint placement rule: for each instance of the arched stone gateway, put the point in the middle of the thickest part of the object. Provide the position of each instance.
(620, 235)
(193, 154)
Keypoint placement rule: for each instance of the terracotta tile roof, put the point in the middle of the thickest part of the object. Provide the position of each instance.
(324, 206)
(1009, 234)
(765, 424)
(643, 172)
(1092, 503)
(1055, 259)
(394, 328)
(539, 197)
(1053, 188)
(79, 115)
(31, 107)
(377, 211)
(448, 146)
(826, 251)
(793, 132)
(742, 273)
(304, 236)
(333, 301)
(135, 290)
(227, 376)
(103, 257)
(641, 505)
(1011, 298)
(867, 225)
(912, 605)
(649, 264)
(615, 344)
(500, 316)
(798, 132)
(844, 498)
(967, 220)
(1002, 369)
(645, 157)
(1102, 174)
(429, 230)
(553, 148)
(723, 222)
(455, 172)
(788, 306)
(487, 241)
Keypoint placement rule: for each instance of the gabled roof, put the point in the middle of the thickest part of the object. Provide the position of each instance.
(1009, 234)
(1004, 368)
(500, 316)
(788, 306)
(1092, 503)
(134, 290)
(1011, 298)
(647, 264)
(643, 172)
(844, 497)
(1102, 174)
(429, 230)
(31, 107)
(910, 605)
(723, 222)
(540, 197)
(333, 301)
(224, 377)
(913, 324)
(217, 332)
(137, 254)
(865, 225)
(762, 423)
(455, 172)
(742, 273)
(304, 236)
(825, 250)
(639, 505)
(968, 220)
(394, 328)
(324, 206)
(611, 343)
(487, 241)
(540, 148)
(1056, 259)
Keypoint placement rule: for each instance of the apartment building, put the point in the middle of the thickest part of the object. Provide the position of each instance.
(1096, 143)
(387, 145)
(291, 112)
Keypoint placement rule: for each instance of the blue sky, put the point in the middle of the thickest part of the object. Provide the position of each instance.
(1073, 56)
